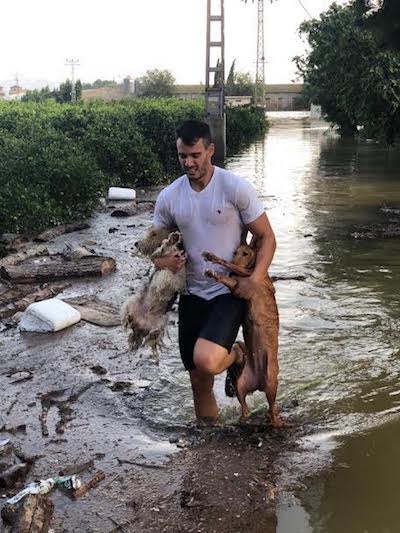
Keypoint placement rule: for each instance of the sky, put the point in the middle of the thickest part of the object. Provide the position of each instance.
(113, 39)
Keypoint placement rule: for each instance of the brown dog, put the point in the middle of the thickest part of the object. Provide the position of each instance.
(260, 330)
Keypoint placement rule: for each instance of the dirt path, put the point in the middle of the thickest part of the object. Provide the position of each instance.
(80, 396)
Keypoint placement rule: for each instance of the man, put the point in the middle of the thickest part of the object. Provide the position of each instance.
(213, 209)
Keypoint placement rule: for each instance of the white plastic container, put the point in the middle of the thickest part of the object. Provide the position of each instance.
(121, 193)
(48, 315)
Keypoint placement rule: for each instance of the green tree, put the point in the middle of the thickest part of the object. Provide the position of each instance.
(39, 95)
(383, 19)
(78, 89)
(238, 83)
(356, 82)
(97, 84)
(157, 83)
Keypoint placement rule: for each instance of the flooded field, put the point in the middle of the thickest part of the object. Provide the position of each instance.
(340, 329)
(339, 354)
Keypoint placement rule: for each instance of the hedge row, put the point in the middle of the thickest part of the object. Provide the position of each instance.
(56, 160)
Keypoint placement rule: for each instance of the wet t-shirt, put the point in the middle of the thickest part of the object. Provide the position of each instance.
(212, 220)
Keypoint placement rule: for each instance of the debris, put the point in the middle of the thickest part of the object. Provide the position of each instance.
(121, 193)
(125, 211)
(76, 252)
(58, 268)
(17, 299)
(13, 474)
(14, 259)
(34, 515)
(50, 234)
(44, 486)
(113, 230)
(49, 315)
(13, 430)
(76, 469)
(20, 376)
(95, 311)
(288, 278)
(93, 482)
(99, 370)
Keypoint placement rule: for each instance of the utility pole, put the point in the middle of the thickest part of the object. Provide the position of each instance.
(72, 63)
(215, 112)
(260, 63)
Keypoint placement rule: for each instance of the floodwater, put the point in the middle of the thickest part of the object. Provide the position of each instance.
(340, 328)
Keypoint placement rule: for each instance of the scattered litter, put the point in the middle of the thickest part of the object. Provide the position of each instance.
(49, 315)
(121, 193)
(4, 442)
(93, 482)
(71, 252)
(44, 486)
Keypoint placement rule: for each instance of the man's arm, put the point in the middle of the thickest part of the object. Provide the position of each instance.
(265, 243)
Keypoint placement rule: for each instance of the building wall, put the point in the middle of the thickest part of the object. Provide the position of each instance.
(283, 101)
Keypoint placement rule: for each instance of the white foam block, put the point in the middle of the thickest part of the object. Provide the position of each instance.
(48, 315)
(121, 193)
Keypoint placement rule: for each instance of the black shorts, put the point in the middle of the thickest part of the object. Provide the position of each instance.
(217, 320)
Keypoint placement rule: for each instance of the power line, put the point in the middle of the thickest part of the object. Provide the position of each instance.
(305, 9)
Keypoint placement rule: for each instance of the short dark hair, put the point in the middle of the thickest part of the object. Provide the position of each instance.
(191, 131)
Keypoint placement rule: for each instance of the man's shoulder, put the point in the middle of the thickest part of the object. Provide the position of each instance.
(173, 188)
(229, 178)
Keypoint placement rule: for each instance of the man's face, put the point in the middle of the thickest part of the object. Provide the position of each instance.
(195, 159)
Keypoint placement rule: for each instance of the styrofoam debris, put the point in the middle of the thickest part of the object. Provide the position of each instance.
(48, 315)
(121, 193)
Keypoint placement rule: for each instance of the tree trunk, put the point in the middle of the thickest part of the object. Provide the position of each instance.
(58, 268)
(60, 230)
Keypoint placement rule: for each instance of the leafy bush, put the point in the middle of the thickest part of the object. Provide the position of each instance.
(55, 160)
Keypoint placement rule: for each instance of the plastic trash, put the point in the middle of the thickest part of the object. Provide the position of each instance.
(45, 485)
(121, 193)
(48, 315)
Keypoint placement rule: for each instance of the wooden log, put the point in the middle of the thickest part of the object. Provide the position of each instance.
(61, 230)
(31, 515)
(14, 259)
(58, 268)
(15, 305)
(95, 480)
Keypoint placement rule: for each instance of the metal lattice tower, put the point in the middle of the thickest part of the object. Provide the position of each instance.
(215, 112)
(260, 63)
(72, 63)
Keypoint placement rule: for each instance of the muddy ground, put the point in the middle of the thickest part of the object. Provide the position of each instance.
(80, 396)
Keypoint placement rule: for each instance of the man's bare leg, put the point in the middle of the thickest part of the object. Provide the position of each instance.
(205, 406)
(210, 359)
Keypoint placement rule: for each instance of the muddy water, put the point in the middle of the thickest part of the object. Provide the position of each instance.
(340, 329)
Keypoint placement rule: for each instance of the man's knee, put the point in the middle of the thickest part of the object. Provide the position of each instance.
(208, 357)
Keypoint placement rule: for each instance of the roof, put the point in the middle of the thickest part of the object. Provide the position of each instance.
(189, 89)
(284, 88)
(104, 93)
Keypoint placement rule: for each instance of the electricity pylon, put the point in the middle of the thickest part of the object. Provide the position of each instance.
(260, 62)
(72, 63)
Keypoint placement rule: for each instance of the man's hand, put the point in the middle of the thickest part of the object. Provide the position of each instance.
(173, 262)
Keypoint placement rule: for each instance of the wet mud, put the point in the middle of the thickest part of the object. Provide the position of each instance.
(79, 401)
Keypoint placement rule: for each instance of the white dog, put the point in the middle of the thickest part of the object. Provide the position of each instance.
(146, 314)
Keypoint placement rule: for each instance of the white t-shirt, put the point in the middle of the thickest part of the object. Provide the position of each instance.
(212, 220)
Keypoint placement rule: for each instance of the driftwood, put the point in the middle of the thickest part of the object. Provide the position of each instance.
(93, 482)
(17, 299)
(14, 259)
(61, 230)
(32, 515)
(58, 268)
(95, 311)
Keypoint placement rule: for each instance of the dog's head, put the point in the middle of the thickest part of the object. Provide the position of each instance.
(245, 256)
(151, 241)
